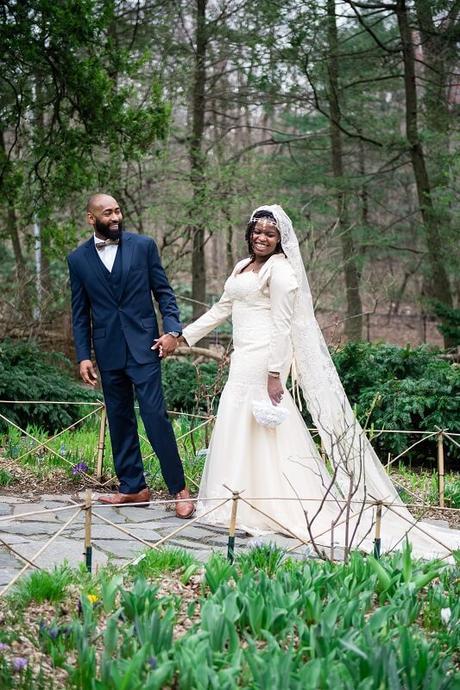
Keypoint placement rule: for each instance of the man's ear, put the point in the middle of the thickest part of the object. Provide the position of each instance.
(90, 219)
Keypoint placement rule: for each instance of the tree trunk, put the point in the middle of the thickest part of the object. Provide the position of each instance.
(439, 283)
(197, 162)
(44, 278)
(12, 226)
(354, 320)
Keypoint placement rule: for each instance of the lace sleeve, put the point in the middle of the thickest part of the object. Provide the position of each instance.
(218, 313)
(283, 288)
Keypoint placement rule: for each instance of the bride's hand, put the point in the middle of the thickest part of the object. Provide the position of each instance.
(275, 390)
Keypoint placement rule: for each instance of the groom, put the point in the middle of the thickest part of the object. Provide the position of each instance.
(113, 276)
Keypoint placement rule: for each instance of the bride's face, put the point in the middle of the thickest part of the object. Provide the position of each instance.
(264, 239)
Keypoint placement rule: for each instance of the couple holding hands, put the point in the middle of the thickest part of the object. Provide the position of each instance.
(260, 444)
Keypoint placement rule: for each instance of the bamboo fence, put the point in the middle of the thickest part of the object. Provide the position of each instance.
(92, 510)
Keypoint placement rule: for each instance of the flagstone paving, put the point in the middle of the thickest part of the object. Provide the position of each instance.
(26, 535)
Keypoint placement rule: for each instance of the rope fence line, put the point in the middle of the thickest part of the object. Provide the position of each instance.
(373, 433)
(91, 510)
(54, 452)
(167, 501)
(440, 435)
(39, 552)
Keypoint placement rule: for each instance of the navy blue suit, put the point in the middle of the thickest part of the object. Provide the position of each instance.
(114, 310)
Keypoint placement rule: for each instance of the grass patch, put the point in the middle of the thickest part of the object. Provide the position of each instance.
(43, 585)
(6, 478)
(154, 562)
(77, 449)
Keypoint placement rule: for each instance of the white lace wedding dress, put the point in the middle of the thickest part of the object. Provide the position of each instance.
(280, 471)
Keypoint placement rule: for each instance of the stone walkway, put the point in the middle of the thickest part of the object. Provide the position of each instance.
(27, 535)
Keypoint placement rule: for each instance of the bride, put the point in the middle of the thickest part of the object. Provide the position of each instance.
(261, 446)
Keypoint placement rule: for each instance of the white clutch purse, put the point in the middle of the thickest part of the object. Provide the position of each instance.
(267, 414)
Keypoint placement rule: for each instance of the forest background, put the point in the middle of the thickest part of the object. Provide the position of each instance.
(193, 113)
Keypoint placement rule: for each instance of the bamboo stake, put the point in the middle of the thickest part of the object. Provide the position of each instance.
(39, 553)
(441, 473)
(101, 444)
(449, 436)
(232, 527)
(378, 529)
(88, 546)
(332, 542)
(406, 450)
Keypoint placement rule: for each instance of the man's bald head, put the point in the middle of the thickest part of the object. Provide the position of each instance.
(104, 215)
(99, 200)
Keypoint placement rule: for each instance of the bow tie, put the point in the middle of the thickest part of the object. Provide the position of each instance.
(100, 246)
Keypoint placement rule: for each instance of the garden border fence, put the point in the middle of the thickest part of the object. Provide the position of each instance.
(88, 506)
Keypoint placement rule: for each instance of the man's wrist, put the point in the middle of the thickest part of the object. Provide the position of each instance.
(274, 374)
(175, 334)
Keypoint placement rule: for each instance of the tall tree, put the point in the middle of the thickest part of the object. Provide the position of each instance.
(354, 319)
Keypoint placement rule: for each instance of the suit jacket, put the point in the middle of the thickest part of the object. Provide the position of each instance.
(114, 315)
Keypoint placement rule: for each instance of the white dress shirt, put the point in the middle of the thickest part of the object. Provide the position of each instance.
(108, 254)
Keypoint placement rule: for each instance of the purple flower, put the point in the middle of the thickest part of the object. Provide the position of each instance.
(19, 663)
(152, 662)
(79, 467)
(3, 646)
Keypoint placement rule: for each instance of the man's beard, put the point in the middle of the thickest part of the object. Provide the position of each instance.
(103, 229)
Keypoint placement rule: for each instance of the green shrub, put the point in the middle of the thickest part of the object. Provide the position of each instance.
(405, 388)
(29, 373)
(450, 318)
(43, 585)
(191, 388)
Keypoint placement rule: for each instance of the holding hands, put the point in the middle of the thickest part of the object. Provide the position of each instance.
(165, 344)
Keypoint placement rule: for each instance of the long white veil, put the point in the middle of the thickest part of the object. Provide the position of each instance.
(353, 461)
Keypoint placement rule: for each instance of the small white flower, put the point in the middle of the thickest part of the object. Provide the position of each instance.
(445, 615)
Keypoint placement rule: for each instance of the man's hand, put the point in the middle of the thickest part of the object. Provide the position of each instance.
(88, 372)
(275, 390)
(165, 344)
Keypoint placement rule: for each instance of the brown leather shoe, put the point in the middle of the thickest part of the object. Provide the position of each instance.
(184, 508)
(142, 496)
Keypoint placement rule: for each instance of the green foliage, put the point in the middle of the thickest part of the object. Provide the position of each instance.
(450, 326)
(365, 624)
(43, 585)
(168, 560)
(217, 571)
(68, 59)
(266, 557)
(26, 679)
(311, 624)
(6, 478)
(183, 382)
(29, 373)
(404, 388)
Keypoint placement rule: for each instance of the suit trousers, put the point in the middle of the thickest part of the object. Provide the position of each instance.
(119, 386)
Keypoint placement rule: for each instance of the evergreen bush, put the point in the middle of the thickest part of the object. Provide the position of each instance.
(406, 388)
(401, 388)
(29, 373)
